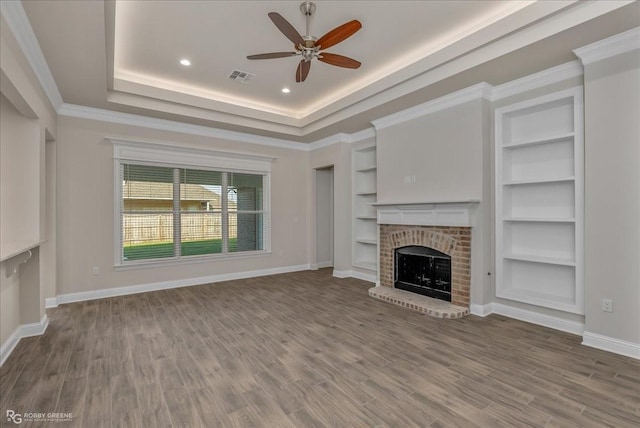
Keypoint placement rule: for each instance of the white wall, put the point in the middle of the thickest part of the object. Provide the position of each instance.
(21, 215)
(20, 153)
(85, 201)
(612, 201)
(10, 301)
(443, 150)
(324, 217)
(27, 119)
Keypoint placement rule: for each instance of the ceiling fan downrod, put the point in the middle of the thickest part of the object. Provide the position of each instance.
(308, 8)
(308, 51)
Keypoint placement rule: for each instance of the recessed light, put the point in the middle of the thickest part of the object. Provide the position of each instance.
(286, 90)
(185, 62)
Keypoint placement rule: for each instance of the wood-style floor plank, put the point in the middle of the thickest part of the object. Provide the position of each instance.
(308, 350)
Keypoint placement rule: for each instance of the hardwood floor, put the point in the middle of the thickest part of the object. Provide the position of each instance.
(307, 350)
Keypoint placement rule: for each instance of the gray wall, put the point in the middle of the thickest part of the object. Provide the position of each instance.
(443, 150)
(339, 156)
(27, 120)
(612, 200)
(85, 208)
(324, 217)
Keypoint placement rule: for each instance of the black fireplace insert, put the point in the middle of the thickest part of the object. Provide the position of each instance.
(423, 270)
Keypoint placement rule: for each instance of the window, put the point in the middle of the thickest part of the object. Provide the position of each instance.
(176, 212)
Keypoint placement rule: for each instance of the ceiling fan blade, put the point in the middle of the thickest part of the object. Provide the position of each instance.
(338, 34)
(303, 70)
(286, 28)
(272, 55)
(339, 60)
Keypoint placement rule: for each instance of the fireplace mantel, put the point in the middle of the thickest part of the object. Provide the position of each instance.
(432, 213)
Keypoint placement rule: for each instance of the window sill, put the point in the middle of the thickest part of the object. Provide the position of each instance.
(189, 260)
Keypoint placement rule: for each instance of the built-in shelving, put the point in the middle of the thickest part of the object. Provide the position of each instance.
(540, 220)
(365, 228)
(539, 141)
(539, 201)
(548, 180)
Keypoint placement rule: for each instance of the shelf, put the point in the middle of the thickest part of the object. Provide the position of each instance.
(538, 141)
(542, 181)
(544, 260)
(550, 200)
(541, 299)
(548, 241)
(366, 169)
(543, 284)
(539, 162)
(367, 241)
(10, 251)
(539, 220)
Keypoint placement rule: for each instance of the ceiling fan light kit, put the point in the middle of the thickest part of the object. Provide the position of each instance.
(309, 47)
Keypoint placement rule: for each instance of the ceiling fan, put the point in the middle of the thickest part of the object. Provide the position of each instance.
(309, 47)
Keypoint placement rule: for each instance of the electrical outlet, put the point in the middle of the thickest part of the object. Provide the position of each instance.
(607, 305)
(96, 270)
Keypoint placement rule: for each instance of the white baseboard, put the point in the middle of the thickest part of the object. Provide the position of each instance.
(481, 310)
(611, 344)
(51, 302)
(341, 273)
(9, 345)
(24, 330)
(363, 276)
(322, 265)
(550, 321)
(143, 288)
(354, 274)
(606, 343)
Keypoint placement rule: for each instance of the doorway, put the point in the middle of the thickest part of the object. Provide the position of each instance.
(324, 217)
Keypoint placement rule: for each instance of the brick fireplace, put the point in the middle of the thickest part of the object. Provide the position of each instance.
(445, 227)
(454, 241)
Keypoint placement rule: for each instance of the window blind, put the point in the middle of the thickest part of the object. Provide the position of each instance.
(177, 212)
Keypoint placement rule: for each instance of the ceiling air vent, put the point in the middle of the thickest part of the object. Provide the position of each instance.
(241, 76)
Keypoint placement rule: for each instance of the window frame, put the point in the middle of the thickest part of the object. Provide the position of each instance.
(172, 156)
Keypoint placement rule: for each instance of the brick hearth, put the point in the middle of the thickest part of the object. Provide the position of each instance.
(452, 240)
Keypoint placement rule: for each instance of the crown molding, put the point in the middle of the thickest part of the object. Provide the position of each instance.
(475, 92)
(110, 116)
(609, 47)
(484, 90)
(16, 18)
(546, 77)
(121, 145)
(340, 137)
